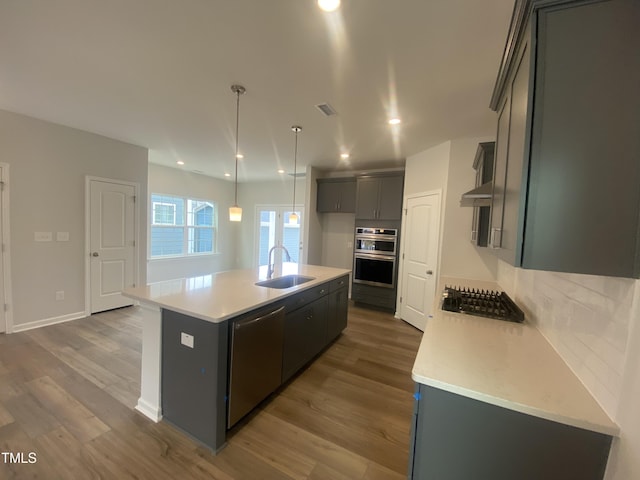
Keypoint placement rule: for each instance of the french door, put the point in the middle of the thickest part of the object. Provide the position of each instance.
(274, 228)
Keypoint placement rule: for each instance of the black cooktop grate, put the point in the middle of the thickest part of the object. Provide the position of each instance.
(484, 303)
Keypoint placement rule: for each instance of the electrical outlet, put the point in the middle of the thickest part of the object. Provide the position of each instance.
(43, 236)
(186, 339)
(60, 295)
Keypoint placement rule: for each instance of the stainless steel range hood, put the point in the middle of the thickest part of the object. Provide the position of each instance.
(478, 197)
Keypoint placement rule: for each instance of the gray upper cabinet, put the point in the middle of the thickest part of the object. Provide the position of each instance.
(483, 165)
(509, 159)
(380, 197)
(567, 165)
(336, 195)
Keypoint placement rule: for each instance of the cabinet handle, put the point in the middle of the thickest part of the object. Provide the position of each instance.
(338, 204)
(322, 292)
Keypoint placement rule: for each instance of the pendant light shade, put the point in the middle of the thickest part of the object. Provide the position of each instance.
(293, 217)
(235, 212)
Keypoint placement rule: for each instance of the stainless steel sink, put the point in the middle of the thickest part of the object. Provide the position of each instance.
(286, 281)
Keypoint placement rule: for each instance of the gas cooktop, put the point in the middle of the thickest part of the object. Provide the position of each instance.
(484, 303)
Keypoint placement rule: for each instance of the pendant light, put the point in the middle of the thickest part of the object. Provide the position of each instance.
(235, 212)
(293, 217)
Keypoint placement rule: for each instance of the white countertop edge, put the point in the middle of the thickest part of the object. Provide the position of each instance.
(281, 295)
(608, 429)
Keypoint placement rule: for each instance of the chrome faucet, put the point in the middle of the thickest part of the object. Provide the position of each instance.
(270, 268)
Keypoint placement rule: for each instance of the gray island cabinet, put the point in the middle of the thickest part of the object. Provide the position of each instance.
(225, 344)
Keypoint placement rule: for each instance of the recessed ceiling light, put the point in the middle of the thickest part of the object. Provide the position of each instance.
(329, 5)
(281, 171)
(227, 174)
(344, 156)
(394, 121)
(239, 155)
(180, 162)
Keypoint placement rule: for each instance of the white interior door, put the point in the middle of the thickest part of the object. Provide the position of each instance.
(274, 228)
(112, 243)
(420, 259)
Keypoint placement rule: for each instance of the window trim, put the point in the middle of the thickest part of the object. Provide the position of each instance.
(163, 204)
(185, 227)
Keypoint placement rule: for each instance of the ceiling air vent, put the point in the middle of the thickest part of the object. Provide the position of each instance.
(326, 109)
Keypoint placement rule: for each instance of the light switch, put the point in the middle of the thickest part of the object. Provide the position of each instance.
(186, 339)
(42, 236)
(62, 236)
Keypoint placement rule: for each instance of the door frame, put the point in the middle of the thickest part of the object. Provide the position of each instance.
(256, 227)
(87, 234)
(6, 250)
(403, 226)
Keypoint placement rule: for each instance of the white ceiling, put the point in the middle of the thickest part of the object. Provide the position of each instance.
(157, 73)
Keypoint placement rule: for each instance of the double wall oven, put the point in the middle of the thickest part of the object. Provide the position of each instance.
(375, 255)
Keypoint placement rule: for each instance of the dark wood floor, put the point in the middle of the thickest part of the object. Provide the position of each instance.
(67, 393)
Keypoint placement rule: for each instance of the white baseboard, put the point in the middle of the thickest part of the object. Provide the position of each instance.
(148, 410)
(21, 327)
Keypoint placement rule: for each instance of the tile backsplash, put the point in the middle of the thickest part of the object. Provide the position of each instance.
(585, 317)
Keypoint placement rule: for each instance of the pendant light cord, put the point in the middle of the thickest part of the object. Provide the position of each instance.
(295, 161)
(237, 142)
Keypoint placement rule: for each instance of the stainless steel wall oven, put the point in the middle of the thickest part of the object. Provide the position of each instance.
(374, 260)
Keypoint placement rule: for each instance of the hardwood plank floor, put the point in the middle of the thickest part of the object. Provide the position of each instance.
(67, 393)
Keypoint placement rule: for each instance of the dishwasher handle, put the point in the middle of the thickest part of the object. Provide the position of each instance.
(252, 321)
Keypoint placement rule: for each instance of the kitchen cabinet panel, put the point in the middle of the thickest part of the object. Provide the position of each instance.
(567, 178)
(584, 196)
(456, 437)
(337, 318)
(336, 195)
(305, 335)
(509, 162)
(483, 164)
(379, 197)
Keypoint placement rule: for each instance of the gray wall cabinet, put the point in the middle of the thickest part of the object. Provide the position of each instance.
(455, 437)
(483, 165)
(336, 195)
(567, 171)
(379, 197)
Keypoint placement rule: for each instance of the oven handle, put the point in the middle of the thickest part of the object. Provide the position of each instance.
(375, 256)
(384, 238)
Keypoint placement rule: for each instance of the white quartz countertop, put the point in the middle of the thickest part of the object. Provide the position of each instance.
(219, 296)
(506, 364)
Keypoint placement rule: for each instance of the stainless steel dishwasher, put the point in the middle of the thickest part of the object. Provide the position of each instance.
(256, 362)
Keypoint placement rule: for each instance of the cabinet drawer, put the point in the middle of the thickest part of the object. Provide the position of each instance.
(339, 283)
(305, 297)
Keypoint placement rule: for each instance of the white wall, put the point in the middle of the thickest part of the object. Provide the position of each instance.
(337, 239)
(460, 258)
(312, 250)
(252, 194)
(175, 181)
(449, 167)
(428, 170)
(593, 322)
(49, 163)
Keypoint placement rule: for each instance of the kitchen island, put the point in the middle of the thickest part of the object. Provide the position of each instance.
(495, 401)
(190, 326)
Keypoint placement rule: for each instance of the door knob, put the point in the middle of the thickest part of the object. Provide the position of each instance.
(95, 254)
(429, 272)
